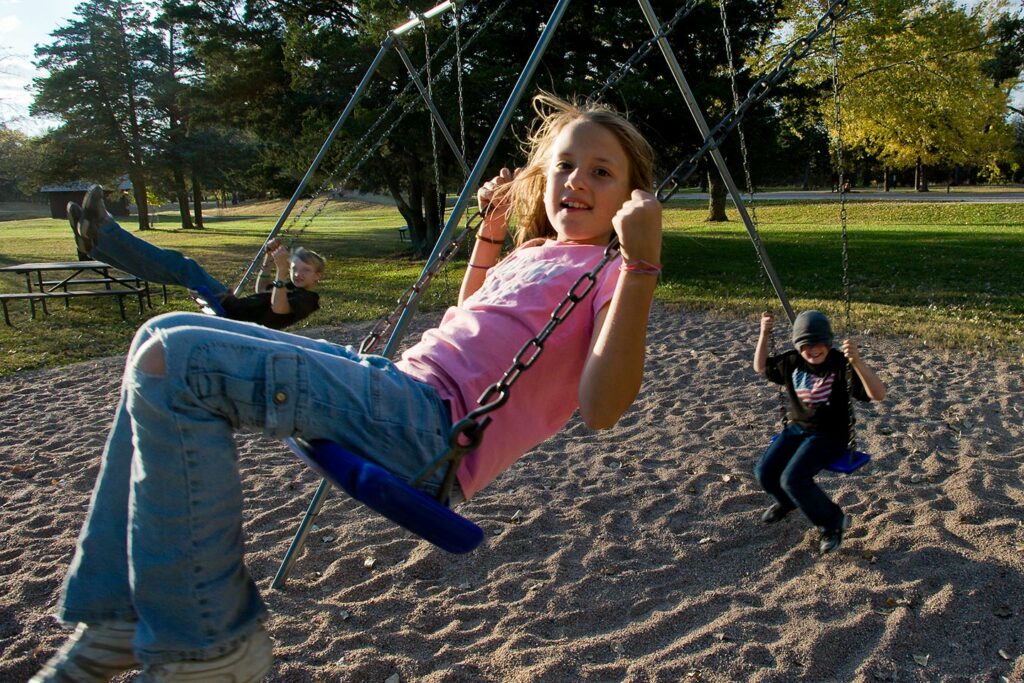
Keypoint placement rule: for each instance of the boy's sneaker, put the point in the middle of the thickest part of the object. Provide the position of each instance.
(75, 218)
(774, 513)
(831, 539)
(93, 653)
(94, 214)
(247, 663)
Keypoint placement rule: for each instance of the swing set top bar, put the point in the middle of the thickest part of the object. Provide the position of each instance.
(429, 14)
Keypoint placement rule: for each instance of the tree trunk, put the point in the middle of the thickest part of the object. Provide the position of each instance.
(412, 212)
(139, 192)
(197, 201)
(887, 179)
(920, 182)
(716, 198)
(805, 185)
(182, 192)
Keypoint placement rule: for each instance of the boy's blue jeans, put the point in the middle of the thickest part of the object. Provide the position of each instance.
(787, 470)
(127, 252)
(163, 539)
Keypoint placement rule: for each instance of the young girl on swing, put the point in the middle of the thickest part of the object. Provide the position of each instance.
(289, 298)
(158, 578)
(816, 378)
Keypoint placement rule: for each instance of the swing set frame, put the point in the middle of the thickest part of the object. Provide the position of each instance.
(466, 434)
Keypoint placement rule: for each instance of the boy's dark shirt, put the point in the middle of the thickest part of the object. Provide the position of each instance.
(255, 308)
(832, 416)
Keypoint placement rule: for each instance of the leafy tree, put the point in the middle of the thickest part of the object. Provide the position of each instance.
(100, 84)
(18, 165)
(908, 71)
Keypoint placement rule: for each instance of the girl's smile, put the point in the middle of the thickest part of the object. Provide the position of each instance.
(587, 182)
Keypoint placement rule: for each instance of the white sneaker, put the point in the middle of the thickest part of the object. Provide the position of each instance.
(94, 653)
(247, 663)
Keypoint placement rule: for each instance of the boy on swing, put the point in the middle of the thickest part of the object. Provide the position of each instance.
(289, 298)
(819, 420)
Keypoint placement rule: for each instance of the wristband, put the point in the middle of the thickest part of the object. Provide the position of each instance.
(489, 240)
(277, 283)
(640, 266)
(473, 265)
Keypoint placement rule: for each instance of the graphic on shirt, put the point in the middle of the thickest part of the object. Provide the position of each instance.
(811, 389)
(515, 275)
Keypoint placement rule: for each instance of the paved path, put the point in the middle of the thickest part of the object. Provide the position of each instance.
(1008, 196)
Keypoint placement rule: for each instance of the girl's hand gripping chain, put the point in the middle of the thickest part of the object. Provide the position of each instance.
(495, 212)
(638, 225)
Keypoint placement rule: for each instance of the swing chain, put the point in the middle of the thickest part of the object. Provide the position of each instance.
(472, 426)
(758, 91)
(642, 51)
(841, 173)
(385, 324)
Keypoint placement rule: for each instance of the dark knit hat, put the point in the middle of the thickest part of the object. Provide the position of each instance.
(811, 327)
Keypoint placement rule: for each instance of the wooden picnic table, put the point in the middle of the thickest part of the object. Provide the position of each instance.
(75, 279)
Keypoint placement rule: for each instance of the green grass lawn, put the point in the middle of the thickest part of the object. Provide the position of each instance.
(949, 274)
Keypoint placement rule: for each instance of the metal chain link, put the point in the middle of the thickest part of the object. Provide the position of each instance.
(772, 346)
(406, 99)
(841, 173)
(471, 427)
(433, 124)
(641, 52)
(758, 91)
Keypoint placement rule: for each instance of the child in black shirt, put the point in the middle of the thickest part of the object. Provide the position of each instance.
(289, 298)
(815, 377)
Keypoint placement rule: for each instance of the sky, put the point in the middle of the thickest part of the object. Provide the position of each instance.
(23, 25)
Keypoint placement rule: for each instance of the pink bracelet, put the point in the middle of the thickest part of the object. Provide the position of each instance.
(640, 266)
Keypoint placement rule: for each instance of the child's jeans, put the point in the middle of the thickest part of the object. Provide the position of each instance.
(163, 539)
(127, 252)
(787, 469)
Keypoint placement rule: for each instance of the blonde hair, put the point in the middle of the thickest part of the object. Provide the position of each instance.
(311, 257)
(525, 194)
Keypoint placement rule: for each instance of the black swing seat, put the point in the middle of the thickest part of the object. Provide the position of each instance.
(207, 302)
(389, 496)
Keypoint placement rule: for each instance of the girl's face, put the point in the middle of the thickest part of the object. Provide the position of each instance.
(586, 183)
(814, 354)
(304, 274)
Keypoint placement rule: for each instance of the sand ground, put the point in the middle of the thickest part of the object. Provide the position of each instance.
(632, 554)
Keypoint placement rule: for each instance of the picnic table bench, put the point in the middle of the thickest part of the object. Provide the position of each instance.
(62, 280)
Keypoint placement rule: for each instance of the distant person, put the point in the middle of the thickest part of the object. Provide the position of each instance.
(285, 301)
(815, 376)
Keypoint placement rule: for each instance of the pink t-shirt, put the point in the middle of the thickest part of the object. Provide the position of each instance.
(476, 342)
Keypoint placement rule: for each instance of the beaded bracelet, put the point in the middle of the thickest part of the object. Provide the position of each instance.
(489, 240)
(640, 266)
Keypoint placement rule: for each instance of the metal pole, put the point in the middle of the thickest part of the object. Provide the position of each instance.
(400, 49)
(429, 14)
(475, 175)
(356, 96)
(299, 539)
(716, 154)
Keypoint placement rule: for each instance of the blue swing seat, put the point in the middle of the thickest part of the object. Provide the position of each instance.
(850, 461)
(207, 302)
(389, 496)
(373, 485)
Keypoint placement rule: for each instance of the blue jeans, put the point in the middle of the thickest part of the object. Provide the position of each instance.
(787, 470)
(124, 251)
(163, 539)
